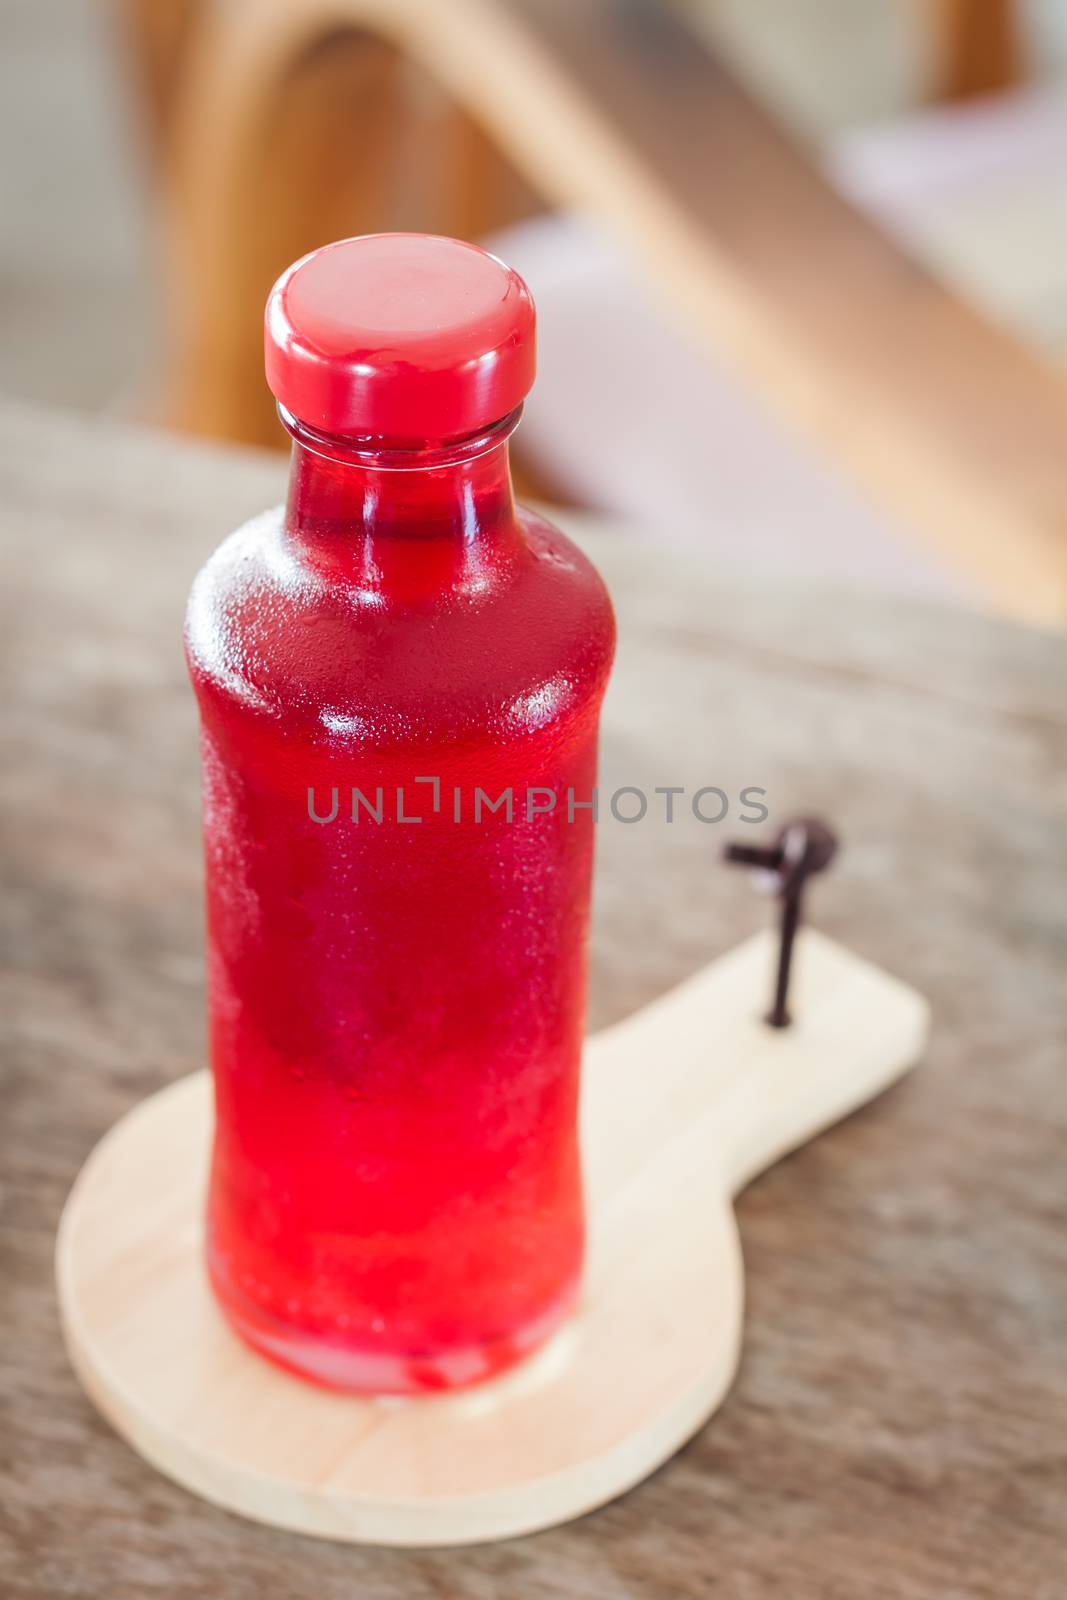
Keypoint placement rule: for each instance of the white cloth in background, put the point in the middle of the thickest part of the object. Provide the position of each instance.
(638, 422)
(979, 191)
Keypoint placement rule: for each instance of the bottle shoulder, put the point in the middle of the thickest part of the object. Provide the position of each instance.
(507, 638)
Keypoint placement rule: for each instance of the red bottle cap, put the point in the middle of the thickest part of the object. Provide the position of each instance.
(406, 336)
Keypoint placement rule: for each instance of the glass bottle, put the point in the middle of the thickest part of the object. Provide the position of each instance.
(399, 678)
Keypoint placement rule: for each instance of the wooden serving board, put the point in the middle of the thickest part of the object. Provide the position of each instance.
(683, 1103)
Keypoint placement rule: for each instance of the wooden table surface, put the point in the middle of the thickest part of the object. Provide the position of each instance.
(897, 1427)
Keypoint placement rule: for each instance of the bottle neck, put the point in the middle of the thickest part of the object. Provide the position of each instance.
(365, 510)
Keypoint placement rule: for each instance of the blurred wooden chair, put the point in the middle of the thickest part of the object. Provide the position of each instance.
(975, 47)
(293, 121)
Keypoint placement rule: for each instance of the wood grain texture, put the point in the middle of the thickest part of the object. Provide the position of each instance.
(682, 1103)
(896, 1430)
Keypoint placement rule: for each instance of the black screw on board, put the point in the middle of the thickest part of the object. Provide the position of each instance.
(804, 847)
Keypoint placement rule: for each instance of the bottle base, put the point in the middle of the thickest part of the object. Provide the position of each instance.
(353, 1370)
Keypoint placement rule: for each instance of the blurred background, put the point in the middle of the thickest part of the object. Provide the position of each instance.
(801, 265)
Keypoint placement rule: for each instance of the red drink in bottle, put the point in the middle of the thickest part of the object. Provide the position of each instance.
(399, 679)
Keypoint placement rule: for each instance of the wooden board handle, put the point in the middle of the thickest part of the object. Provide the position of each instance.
(700, 1068)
